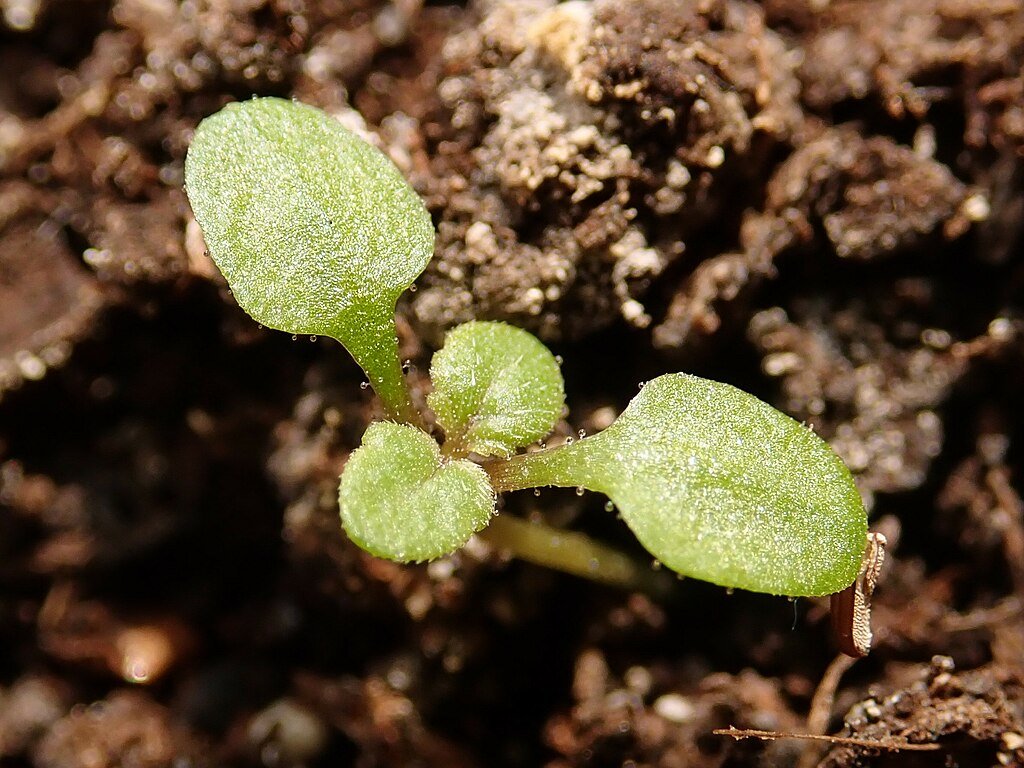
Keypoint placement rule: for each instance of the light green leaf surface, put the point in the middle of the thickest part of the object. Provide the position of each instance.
(496, 388)
(315, 230)
(717, 485)
(400, 500)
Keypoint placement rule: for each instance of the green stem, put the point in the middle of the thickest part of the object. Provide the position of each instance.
(558, 466)
(375, 349)
(574, 553)
(391, 386)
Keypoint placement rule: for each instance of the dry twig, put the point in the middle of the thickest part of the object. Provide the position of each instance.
(892, 744)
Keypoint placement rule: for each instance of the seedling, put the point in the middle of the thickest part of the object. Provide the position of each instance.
(318, 233)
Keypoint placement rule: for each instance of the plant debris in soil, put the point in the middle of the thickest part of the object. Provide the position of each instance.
(820, 202)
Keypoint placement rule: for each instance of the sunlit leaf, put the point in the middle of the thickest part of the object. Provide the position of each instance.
(718, 485)
(315, 230)
(401, 500)
(496, 388)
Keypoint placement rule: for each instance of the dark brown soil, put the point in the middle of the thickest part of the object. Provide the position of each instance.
(821, 202)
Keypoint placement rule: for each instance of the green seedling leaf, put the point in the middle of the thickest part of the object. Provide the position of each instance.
(315, 230)
(402, 501)
(496, 388)
(719, 486)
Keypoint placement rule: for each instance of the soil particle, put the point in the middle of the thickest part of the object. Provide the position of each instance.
(27, 711)
(48, 300)
(384, 723)
(977, 717)
(910, 55)
(621, 128)
(287, 734)
(983, 510)
(636, 720)
(870, 197)
(712, 76)
(875, 393)
(124, 729)
(150, 232)
(89, 634)
(840, 194)
(874, 401)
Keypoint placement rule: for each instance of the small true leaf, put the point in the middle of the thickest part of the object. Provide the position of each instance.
(496, 388)
(315, 230)
(402, 501)
(720, 486)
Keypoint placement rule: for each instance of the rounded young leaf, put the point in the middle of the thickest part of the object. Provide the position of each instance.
(719, 486)
(496, 388)
(400, 500)
(315, 230)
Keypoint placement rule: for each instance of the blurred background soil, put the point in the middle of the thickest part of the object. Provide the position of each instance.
(821, 202)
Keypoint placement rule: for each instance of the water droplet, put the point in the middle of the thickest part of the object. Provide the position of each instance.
(579, 490)
(312, 338)
(729, 590)
(536, 491)
(30, 366)
(582, 433)
(406, 366)
(656, 565)
(609, 506)
(364, 384)
(295, 337)
(568, 440)
(542, 444)
(412, 288)
(643, 384)
(558, 359)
